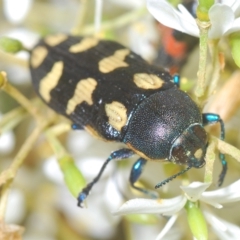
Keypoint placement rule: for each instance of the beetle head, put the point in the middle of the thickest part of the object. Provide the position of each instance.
(190, 147)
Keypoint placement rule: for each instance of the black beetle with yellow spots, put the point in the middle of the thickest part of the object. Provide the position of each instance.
(114, 94)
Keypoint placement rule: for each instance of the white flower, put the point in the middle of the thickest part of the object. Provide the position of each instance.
(15, 10)
(141, 36)
(223, 229)
(224, 17)
(7, 140)
(16, 207)
(171, 207)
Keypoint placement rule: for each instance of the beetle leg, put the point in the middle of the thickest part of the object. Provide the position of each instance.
(117, 155)
(136, 171)
(211, 118)
(75, 126)
(176, 80)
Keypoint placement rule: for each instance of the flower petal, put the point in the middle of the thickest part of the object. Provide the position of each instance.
(167, 227)
(223, 195)
(235, 26)
(222, 18)
(194, 190)
(236, 8)
(162, 206)
(16, 10)
(229, 3)
(185, 12)
(166, 14)
(7, 142)
(222, 228)
(233, 4)
(16, 206)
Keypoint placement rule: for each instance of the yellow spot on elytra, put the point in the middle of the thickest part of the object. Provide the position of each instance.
(198, 153)
(117, 114)
(54, 40)
(113, 62)
(50, 81)
(38, 56)
(84, 45)
(147, 81)
(83, 92)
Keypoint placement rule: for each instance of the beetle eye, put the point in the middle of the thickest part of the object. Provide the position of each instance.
(190, 147)
(200, 133)
(181, 155)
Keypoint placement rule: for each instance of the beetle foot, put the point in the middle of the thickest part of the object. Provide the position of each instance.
(82, 196)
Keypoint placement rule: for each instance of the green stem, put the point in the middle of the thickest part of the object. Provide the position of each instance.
(12, 119)
(55, 144)
(214, 78)
(7, 176)
(12, 59)
(3, 200)
(10, 173)
(226, 148)
(76, 30)
(201, 84)
(13, 92)
(72, 176)
(115, 23)
(210, 158)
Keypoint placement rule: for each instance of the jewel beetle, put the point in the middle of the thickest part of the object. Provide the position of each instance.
(115, 95)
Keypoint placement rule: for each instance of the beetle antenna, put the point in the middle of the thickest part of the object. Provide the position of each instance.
(172, 177)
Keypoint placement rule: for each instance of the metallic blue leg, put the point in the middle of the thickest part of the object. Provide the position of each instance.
(136, 171)
(117, 155)
(76, 127)
(176, 80)
(211, 118)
